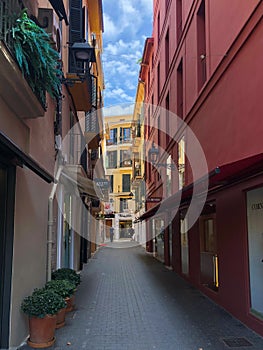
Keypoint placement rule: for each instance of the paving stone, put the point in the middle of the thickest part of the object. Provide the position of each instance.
(129, 300)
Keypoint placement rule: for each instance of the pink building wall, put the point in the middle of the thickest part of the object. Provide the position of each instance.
(225, 115)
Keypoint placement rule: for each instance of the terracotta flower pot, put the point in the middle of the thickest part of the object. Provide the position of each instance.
(70, 303)
(42, 331)
(61, 315)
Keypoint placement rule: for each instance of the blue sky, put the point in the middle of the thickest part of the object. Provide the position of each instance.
(127, 23)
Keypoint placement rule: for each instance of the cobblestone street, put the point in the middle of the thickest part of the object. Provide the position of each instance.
(128, 300)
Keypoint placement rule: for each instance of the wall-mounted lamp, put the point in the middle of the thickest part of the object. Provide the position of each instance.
(153, 155)
(83, 52)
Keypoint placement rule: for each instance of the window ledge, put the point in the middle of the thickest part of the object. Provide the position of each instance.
(15, 90)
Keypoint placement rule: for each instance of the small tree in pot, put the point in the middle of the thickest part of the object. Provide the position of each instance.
(41, 307)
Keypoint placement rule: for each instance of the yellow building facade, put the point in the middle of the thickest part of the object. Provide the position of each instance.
(118, 156)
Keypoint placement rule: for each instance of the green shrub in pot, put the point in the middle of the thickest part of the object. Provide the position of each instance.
(68, 274)
(42, 302)
(65, 288)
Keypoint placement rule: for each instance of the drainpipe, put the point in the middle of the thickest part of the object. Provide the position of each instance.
(51, 222)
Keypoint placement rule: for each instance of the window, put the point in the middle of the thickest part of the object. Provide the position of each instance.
(167, 53)
(125, 158)
(126, 183)
(159, 131)
(111, 160)
(168, 176)
(123, 204)
(138, 127)
(125, 135)
(111, 183)
(181, 162)
(180, 91)
(158, 26)
(158, 80)
(179, 19)
(113, 137)
(167, 116)
(201, 46)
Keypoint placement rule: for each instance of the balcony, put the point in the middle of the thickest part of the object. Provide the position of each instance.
(13, 85)
(110, 142)
(80, 88)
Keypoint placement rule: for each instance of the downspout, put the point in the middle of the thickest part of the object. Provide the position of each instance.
(51, 222)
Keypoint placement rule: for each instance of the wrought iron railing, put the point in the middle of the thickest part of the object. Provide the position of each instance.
(9, 11)
(91, 122)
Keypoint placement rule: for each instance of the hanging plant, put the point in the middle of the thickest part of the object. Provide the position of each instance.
(38, 61)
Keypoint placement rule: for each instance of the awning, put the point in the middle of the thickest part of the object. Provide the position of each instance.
(76, 175)
(15, 155)
(59, 8)
(219, 177)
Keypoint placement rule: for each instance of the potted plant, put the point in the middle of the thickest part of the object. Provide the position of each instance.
(72, 276)
(65, 289)
(36, 58)
(41, 307)
(66, 274)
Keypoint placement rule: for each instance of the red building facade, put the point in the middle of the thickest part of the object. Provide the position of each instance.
(204, 65)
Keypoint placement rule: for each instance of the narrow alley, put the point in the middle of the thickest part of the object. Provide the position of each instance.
(129, 300)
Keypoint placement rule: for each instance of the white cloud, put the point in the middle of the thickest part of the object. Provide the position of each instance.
(120, 109)
(126, 24)
(110, 29)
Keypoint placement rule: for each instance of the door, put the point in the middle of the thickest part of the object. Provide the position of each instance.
(208, 252)
(184, 246)
(67, 231)
(7, 199)
(255, 247)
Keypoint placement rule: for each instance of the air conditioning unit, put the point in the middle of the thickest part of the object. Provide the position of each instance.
(48, 21)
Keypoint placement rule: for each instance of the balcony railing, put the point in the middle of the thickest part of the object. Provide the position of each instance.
(126, 163)
(111, 142)
(9, 11)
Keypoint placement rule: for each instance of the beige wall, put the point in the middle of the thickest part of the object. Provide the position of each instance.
(30, 242)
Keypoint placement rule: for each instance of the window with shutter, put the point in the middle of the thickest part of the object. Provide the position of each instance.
(75, 28)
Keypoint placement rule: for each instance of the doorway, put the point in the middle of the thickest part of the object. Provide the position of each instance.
(208, 252)
(255, 248)
(7, 200)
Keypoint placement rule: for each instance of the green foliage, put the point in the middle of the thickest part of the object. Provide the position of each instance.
(38, 61)
(68, 274)
(42, 302)
(64, 288)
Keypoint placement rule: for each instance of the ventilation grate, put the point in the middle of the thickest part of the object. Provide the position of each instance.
(236, 342)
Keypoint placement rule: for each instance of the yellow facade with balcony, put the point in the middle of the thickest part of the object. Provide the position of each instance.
(118, 156)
